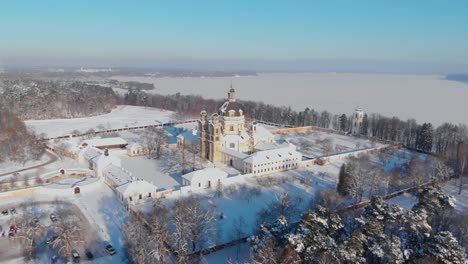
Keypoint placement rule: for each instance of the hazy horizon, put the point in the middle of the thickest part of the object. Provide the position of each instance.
(358, 36)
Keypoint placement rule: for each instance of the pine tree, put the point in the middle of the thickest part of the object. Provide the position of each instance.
(365, 125)
(343, 122)
(345, 182)
(425, 137)
(316, 234)
(446, 248)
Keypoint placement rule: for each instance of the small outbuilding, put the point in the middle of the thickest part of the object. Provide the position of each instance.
(136, 191)
(203, 179)
(135, 149)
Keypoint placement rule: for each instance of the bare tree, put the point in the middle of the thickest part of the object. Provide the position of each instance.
(137, 239)
(238, 232)
(461, 161)
(148, 142)
(193, 225)
(362, 172)
(68, 232)
(159, 140)
(327, 146)
(416, 170)
(29, 233)
(159, 231)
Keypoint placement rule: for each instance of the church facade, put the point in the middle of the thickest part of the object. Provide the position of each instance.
(223, 138)
(225, 129)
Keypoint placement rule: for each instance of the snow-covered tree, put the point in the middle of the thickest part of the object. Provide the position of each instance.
(446, 248)
(316, 234)
(345, 182)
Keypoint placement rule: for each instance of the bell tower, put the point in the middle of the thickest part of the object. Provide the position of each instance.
(232, 95)
(358, 117)
(215, 139)
(202, 134)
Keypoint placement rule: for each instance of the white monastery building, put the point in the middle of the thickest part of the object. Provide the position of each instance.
(358, 117)
(203, 179)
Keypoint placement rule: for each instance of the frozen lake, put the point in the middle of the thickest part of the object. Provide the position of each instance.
(427, 98)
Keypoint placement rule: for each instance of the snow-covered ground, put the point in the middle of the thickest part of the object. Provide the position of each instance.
(392, 94)
(452, 187)
(301, 185)
(310, 143)
(121, 116)
(97, 203)
(9, 166)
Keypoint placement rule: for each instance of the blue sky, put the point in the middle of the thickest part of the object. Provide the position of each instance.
(419, 32)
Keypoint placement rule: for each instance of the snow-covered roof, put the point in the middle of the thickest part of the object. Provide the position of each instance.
(262, 134)
(117, 175)
(207, 173)
(103, 161)
(90, 153)
(136, 187)
(273, 155)
(262, 145)
(102, 142)
(135, 145)
(234, 153)
(235, 138)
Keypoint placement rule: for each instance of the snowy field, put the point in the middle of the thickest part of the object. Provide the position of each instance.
(387, 94)
(9, 166)
(258, 193)
(122, 116)
(311, 143)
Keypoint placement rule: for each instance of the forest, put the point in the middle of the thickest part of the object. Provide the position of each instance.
(44, 99)
(17, 143)
(425, 137)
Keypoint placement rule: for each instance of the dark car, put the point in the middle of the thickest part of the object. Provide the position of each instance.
(35, 221)
(89, 254)
(53, 217)
(51, 239)
(110, 249)
(5, 212)
(75, 256)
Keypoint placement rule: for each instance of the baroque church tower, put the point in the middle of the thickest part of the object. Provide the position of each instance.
(224, 130)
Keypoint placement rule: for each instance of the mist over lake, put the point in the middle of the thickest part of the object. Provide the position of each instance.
(427, 98)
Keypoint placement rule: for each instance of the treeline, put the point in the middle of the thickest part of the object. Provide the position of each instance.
(44, 99)
(16, 142)
(425, 137)
(430, 232)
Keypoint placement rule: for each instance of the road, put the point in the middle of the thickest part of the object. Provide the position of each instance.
(123, 129)
(53, 158)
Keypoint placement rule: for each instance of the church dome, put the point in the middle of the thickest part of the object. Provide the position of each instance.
(229, 106)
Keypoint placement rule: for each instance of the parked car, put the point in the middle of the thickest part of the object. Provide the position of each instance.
(51, 239)
(35, 221)
(12, 231)
(75, 256)
(12, 211)
(89, 254)
(53, 217)
(110, 249)
(54, 259)
(5, 212)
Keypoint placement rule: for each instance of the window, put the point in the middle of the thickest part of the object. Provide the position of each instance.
(199, 184)
(232, 145)
(140, 196)
(149, 194)
(130, 198)
(231, 128)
